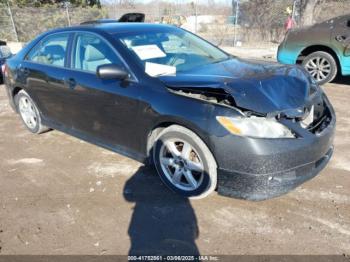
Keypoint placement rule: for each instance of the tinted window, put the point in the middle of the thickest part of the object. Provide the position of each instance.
(51, 50)
(91, 51)
(348, 23)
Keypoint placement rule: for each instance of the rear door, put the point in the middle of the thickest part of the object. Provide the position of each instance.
(105, 110)
(44, 73)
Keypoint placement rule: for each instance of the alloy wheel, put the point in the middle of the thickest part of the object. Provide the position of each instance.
(28, 113)
(181, 164)
(319, 68)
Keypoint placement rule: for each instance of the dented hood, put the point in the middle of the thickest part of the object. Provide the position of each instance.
(257, 86)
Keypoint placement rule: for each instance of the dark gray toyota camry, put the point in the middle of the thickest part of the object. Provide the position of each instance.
(157, 93)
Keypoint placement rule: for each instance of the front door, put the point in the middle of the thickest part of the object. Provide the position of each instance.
(105, 110)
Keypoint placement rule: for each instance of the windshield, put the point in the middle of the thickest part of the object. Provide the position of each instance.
(170, 52)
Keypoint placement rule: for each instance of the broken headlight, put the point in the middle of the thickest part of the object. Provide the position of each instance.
(253, 126)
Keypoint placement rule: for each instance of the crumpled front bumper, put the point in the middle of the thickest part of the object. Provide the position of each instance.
(259, 169)
(258, 187)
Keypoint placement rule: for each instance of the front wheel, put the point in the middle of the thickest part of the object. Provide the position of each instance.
(321, 66)
(184, 162)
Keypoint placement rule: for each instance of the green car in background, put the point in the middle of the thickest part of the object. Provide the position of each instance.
(322, 49)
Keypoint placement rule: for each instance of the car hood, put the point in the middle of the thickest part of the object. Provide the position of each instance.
(257, 86)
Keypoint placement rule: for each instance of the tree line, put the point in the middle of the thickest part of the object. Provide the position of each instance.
(41, 3)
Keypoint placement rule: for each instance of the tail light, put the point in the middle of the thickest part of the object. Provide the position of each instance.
(4, 70)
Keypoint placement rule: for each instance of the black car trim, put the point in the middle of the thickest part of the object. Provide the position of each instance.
(69, 50)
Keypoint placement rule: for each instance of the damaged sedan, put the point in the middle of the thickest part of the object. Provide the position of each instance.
(159, 94)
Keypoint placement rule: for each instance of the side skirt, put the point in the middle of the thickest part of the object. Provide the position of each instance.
(114, 148)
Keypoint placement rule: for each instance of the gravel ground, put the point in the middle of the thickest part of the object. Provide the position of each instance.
(60, 195)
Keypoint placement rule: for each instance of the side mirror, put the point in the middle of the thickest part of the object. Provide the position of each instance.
(111, 71)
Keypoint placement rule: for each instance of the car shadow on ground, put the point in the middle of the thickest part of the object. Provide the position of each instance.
(342, 80)
(162, 222)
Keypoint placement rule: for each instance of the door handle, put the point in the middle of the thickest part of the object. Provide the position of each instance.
(70, 83)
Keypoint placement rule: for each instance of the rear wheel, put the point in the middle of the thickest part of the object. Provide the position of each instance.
(184, 162)
(29, 113)
(321, 66)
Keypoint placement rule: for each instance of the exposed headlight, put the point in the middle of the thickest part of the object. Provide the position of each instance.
(260, 127)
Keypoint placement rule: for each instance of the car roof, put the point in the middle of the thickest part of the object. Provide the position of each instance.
(113, 28)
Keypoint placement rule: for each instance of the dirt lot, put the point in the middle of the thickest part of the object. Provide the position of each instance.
(60, 195)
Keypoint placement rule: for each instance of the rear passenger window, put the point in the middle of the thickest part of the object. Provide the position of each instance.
(51, 50)
(91, 51)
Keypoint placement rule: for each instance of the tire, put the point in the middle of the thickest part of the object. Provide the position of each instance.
(180, 155)
(321, 66)
(29, 113)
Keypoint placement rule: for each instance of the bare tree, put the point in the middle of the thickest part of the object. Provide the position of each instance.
(307, 10)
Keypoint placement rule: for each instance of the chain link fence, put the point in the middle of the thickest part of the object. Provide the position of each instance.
(24, 23)
(246, 22)
(8, 31)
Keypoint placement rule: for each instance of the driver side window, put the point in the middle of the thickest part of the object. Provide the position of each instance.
(91, 51)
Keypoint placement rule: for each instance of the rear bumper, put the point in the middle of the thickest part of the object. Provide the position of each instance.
(286, 57)
(288, 54)
(10, 97)
(345, 70)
